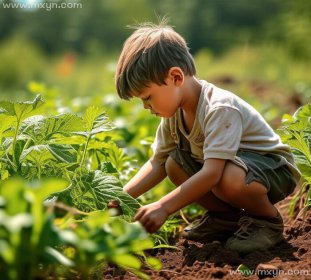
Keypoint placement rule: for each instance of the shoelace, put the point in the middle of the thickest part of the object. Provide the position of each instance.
(201, 221)
(247, 227)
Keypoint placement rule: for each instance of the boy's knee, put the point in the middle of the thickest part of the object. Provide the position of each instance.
(175, 172)
(170, 167)
(231, 183)
(233, 189)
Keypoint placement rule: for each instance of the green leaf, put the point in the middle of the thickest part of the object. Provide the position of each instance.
(59, 257)
(94, 190)
(134, 231)
(42, 153)
(64, 153)
(13, 191)
(43, 188)
(141, 245)
(107, 167)
(4, 174)
(97, 218)
(42, 129)
(5, 123)
(154, 263)
(96, 121)
(244, 270)
(303, 112)
(127, 260)
(20, 110)
(108, 188)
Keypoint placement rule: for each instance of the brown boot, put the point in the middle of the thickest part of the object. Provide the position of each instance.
(256, 234)
(212, 226)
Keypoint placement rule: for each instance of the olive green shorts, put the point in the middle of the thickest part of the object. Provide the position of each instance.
(269, 169)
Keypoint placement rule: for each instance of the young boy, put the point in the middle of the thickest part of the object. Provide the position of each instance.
(216, 148)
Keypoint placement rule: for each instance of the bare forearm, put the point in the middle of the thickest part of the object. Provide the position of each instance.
(194, 188)
(146, 178)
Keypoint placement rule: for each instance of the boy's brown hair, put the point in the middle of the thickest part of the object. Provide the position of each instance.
(147, 56)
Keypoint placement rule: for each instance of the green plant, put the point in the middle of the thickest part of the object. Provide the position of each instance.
(16, 113)
(27, 230)
(34, 243)
(92, 190)
(296, 132)
(66, 146)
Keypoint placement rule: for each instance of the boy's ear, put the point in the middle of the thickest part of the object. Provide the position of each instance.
(176, 75)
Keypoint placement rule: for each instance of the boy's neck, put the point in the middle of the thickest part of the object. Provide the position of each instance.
(191, 94)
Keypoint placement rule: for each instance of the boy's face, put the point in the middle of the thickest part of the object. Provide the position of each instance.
(164, 100)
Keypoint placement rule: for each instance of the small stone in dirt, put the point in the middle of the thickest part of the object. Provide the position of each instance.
(307, 228)
(301, 251)
(218, 274)
(185, 243)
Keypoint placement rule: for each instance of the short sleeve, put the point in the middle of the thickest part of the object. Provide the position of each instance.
(222, 131)
(163, 143)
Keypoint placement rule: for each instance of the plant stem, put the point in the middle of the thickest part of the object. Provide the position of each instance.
(14, 145)
(39, 170)
(85, 149)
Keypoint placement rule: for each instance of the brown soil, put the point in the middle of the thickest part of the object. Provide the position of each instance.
(290, 259)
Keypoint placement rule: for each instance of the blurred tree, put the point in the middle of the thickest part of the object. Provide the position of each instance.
(215, 24)
(8, 21)
(292, 28)
(103, 23)
(220, 24)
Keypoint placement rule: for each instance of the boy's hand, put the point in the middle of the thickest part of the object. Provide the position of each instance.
(152, 216)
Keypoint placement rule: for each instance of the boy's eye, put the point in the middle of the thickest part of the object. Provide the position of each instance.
(146, 98)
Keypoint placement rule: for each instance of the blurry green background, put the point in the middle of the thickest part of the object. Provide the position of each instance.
(260, 49)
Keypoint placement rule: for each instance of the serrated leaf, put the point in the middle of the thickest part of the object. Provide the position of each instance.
(37, 154)
(107, 167)
(108, 188)
(96, 121)
(20, 110)
(94, 191)
(303, 112)
(42, 129)
(32, 128)
(64, 153)
(42, 153)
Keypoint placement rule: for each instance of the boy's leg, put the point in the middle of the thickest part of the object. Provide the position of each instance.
(263, 226)
(178, 175)
(218, 223)
(261, 232)
(251, 197)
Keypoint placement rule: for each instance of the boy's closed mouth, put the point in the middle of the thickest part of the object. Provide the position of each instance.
(154, 113)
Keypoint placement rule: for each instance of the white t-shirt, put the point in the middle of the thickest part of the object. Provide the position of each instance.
(224, 123)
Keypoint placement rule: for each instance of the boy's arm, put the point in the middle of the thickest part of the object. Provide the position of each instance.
(146, 178)
(152, 216)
